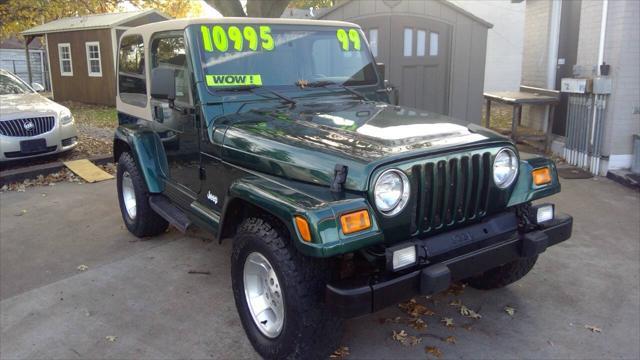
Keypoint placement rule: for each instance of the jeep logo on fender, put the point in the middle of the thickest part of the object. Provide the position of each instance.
(230, 80)
(28, 125)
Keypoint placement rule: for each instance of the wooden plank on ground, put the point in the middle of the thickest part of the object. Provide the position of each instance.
(87, 170)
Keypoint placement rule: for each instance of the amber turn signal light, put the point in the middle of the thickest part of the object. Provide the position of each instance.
(303, 228)
(541, 176)
(355, 221)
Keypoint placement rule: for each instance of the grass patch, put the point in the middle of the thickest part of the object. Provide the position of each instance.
(94, 115)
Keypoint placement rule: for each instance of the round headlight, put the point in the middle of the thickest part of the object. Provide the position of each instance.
(505, 168)
(391, 192)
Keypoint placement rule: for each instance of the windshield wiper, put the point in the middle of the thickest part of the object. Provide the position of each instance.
(325, 83)
(250, 88)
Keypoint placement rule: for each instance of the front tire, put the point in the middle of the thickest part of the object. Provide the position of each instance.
(503, 275)
(133, 197)
(278, 294)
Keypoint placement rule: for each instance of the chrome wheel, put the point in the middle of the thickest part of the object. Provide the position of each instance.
(129, 195)
(264, 295)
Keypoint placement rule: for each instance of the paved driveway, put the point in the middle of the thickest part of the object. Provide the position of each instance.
(141, 292)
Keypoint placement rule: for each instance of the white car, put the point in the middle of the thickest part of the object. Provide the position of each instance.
(30, 124)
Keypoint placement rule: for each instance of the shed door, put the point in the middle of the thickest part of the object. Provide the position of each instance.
(420, 62)
(417, 61)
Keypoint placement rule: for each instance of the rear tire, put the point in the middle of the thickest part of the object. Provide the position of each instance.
(308, 329)
(503, 275)
(133, 197)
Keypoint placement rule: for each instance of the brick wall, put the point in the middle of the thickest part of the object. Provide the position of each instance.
(589, 38)
(535, 55)
(622, 52)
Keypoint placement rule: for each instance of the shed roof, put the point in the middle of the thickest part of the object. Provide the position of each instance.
(97, 21)
(445, 2)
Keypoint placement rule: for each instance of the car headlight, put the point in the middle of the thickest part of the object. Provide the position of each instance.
(391, 192)
(505, 168)
(66, 117)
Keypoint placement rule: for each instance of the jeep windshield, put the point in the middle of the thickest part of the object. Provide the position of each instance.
(235, 55)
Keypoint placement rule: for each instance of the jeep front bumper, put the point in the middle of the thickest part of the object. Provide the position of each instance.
(353, 298)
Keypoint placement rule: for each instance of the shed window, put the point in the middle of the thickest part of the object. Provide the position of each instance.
(94, 65)
(433, 44)
(64, 56)
(408, 42)
(373, 41)
(421, 42)
(132, 85)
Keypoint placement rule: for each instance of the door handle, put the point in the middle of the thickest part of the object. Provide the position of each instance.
(158, 113)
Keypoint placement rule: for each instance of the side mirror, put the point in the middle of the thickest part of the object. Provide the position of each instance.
(381, 68)
(37, 87)
(163, 84)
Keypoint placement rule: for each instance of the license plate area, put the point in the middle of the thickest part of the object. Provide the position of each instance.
(33, 146)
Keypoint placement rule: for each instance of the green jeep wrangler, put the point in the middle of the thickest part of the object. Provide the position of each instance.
(277, 135)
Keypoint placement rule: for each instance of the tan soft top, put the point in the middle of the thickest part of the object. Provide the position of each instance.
(181, 24)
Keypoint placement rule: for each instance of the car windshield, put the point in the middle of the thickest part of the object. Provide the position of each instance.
(10, 85)
(277, 55)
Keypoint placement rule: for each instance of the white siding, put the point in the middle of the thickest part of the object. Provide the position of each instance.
(13, 60)
(504, 41)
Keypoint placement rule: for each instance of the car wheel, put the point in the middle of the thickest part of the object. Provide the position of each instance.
(278, 294)
(503, 275)
(133, 196)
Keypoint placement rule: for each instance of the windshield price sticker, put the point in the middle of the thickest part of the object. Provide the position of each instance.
(233, 38)
(233, 80)
(346, 39)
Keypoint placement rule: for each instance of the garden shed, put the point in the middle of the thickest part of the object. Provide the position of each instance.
(81, 53)
(433, 51)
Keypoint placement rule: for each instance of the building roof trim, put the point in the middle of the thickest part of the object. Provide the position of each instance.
(90, 22)
(444, 2)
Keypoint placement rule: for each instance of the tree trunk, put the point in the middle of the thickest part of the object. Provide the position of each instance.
(255, 8)
(266, 8)
(227, 7)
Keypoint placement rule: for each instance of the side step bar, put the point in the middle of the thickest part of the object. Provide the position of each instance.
(170, 212)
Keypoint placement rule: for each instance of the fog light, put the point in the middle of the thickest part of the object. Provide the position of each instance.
(404, 257)
(544, 213)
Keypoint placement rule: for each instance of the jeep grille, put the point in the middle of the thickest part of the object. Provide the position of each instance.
(454, 191)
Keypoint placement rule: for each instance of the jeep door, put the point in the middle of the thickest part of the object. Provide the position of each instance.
(177, 126)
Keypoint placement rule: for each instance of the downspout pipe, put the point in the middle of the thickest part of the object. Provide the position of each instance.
(603, 30)
(594, 122)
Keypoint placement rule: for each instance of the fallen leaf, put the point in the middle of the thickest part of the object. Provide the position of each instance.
(340, 353)
(405, 339)
(465, 311)
(456, 303)
(395, 320)
(432, 350)
(450, 339)
(415, 309)
(448, 322)
(594, 329)
(22, 212)
(509, 310)
(467, 327)
(83, 267)
(456, 289)
(417, 324)
(111, 338)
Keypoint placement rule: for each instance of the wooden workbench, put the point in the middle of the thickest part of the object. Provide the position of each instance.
(526, 96)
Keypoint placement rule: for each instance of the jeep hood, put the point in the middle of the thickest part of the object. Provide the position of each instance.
(306, 142)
